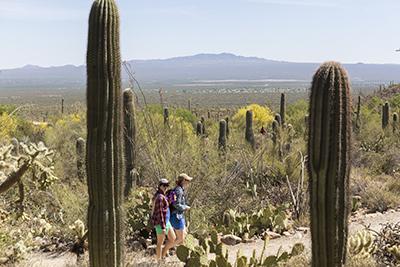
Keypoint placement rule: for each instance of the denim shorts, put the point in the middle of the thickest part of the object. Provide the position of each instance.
(177, 221)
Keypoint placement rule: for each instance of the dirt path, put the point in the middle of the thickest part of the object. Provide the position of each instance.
(357, 223)
(285, 242)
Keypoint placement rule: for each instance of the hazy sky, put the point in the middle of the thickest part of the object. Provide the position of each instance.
(53, 32)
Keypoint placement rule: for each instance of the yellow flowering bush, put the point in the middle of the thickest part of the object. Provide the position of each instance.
(262, 116)
(8, 126)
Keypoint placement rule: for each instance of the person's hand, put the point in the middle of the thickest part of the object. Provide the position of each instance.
(164, 231)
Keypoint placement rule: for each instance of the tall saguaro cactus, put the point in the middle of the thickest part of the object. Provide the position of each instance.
(222, 135)
(80, 158)
(329, 164)
(105, 168)
(283, 109)
(249, 135)
(129, 138)
(395, 122)
(227, 127)
(385, 115)
(166, 116)
(358, 115)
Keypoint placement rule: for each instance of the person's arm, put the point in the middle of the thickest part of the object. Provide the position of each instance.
(179, 204)
(161, 213)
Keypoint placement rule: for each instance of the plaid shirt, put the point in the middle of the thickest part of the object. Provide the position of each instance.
(160, 210)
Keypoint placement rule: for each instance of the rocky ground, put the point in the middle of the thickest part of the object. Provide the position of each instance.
(285, 242)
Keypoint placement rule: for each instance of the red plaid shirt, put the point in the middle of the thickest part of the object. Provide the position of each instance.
(160, 210)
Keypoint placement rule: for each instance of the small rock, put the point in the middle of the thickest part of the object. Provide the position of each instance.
(151, 250)
(231, 240)
(303, 229)
(148, 242)
(248, 241)
(286, 233)
(271, 235)
(136, 246)
(3, 260)
(298, 235)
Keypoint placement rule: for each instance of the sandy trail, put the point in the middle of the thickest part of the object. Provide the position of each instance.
(358, 222)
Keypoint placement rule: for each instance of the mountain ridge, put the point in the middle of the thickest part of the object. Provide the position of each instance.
(186, 69)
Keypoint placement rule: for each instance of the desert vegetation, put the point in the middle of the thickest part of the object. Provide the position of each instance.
(82, 179)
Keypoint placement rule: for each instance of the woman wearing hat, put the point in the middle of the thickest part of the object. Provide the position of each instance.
(179, 206)
(161, 220)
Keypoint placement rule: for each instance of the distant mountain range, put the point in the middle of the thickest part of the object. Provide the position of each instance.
(201, 68)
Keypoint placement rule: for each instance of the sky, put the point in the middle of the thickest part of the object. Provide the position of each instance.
(54, 32)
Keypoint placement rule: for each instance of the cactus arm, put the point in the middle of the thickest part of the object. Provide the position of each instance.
(14, 177)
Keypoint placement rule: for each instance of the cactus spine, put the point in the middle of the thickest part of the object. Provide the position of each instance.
(329, 164)
(80, 158)
(129, 139)
(249, 135)
(283, 109)
(222, 135)
(385, 115)
(104, 158)
(166, 116)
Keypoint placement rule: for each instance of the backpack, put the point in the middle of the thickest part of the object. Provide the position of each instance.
(171, 197)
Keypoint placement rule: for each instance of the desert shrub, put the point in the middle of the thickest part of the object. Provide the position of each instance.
(262, 116)
(378, 193)
(138, 211)
(62, 138)
(296, 114)
(8, 126)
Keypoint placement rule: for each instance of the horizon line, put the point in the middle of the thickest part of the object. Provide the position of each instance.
(198, 54)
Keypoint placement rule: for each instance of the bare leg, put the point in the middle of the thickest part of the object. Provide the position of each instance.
(160, 242)
(180, 236)
(170, 242)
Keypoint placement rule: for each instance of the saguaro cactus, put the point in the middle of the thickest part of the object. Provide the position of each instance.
(199, 128)
(358, 115)
(395, 122)
(278, 118)
(329, 164)
(249, 135)
(203, 125)
(222, 134)
(104, 158)
(189, 105)
(283, 109)
(227, 127)
(385, 115)
(166, 116)
(129, 138)
(62, 105)
(80, 158)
